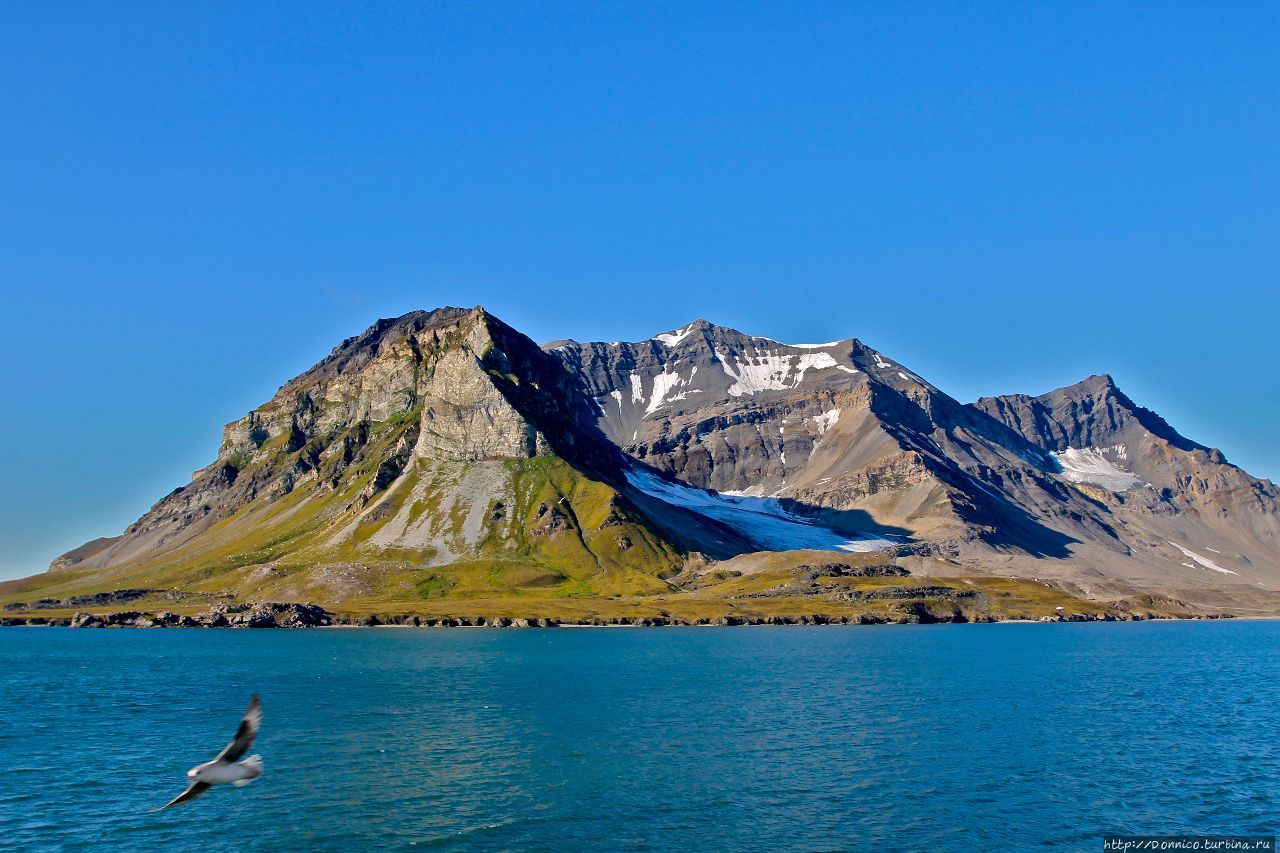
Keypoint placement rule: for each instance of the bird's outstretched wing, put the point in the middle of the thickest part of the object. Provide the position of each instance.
(194, 790)
(245, 734)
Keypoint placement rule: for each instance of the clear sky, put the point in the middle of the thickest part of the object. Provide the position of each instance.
(199, 201)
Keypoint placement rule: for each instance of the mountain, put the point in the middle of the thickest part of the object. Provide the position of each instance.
(443, 455)
(836, 431)
(1079, 485)
(1172, 500)
(438, 438)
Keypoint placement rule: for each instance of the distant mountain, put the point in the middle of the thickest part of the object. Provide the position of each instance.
(1079, 485)
(1168, 499)
(444, 454)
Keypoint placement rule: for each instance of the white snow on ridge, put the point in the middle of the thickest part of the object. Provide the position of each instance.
(771, 371)
(673, 338)
(1092, 467)
(814, 346)
(1204, 561)
(761, 520)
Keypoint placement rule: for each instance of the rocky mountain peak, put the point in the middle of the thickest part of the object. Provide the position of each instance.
(452, 385)
(474, 387)
(704, 332)
(1098, 386)
(1093, 412)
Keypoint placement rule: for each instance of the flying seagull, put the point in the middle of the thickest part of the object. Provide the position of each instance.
(227, 767)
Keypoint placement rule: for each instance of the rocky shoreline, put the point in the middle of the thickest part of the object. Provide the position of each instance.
(300, 615)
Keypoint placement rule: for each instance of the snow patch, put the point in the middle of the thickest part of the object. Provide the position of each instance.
(1091, 466)
(763, 521)
(813, 346)
(1204, 561)
(637, 389)
(826, 420)
(772, 371)
(664, 384)
(749, 492)
(673, 338)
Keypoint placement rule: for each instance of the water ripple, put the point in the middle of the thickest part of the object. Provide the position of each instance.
(948, 737)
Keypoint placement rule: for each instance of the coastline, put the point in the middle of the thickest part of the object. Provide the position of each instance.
(774, 598)
(392, 622)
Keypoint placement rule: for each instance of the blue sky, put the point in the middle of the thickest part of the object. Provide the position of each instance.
(201, 200)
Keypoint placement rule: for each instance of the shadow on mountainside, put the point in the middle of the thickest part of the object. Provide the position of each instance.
(552, 399)
(849, 521)
(1005, 524)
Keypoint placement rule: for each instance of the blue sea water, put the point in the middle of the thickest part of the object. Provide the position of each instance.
(826, 738)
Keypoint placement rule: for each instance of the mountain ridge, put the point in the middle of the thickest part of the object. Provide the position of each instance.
(974, 484)
(443, 451)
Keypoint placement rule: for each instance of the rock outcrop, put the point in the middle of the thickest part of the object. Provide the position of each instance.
(261, 615)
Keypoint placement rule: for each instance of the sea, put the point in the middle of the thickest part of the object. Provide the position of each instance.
(895, 737)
